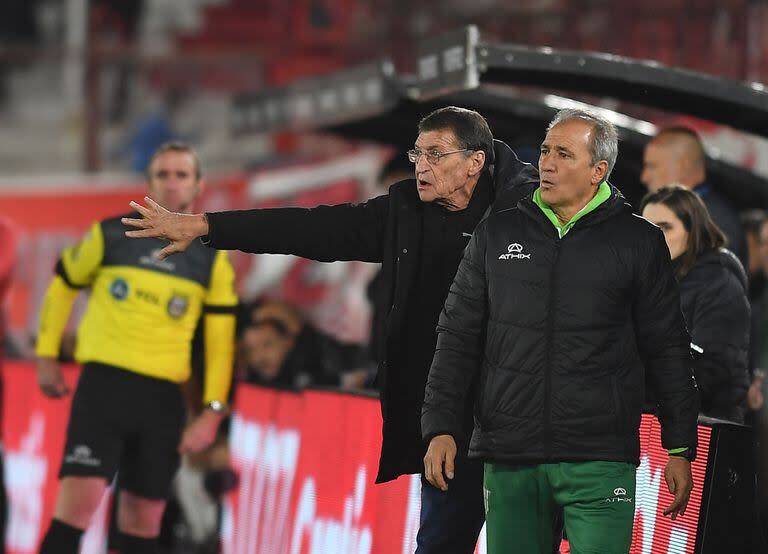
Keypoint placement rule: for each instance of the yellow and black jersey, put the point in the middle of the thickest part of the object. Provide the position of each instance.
(143, 311)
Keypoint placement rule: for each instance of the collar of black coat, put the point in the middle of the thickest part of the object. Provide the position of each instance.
(506, 167)
(512, 179)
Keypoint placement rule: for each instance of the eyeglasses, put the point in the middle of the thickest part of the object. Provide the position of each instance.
(433, 156)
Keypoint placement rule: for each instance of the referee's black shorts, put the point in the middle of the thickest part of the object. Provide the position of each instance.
(126, 422)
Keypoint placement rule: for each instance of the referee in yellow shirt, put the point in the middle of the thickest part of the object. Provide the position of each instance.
(134, 342)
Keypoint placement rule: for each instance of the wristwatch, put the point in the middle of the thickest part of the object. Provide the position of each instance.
(687, 453)
(217, 406)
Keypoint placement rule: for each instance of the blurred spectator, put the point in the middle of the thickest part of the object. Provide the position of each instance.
(288, 314)
(713, 295)
(759, 345)
(752, 221)
(275, 351)
(676, 157)
(265, 346)
(153, 129)
(121, 18)
(18, 28)
(756, 393)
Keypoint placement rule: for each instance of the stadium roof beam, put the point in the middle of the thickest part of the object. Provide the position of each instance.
(350, 95)
(460, 61)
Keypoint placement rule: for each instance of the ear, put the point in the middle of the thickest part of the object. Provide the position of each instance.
(200, 186)
(599, 171)
(478, 163)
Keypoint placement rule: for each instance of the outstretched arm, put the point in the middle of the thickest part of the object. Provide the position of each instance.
(323, 233)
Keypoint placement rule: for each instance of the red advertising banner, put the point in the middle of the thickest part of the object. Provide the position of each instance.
(652, 531)
(306, 464)
(34, 430)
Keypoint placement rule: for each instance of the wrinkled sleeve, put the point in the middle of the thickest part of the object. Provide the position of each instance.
(663, 343)
(324, 233)
(460, 338)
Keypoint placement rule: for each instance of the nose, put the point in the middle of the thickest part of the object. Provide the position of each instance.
(545, 163)
(421, 164)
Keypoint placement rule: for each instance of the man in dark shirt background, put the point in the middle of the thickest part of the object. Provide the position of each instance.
(676, 156)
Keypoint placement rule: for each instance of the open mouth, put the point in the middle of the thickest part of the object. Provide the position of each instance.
(422, 184)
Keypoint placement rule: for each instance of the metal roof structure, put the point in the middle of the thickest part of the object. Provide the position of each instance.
(373, 102)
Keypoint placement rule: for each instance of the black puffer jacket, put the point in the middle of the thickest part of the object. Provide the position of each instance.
(564, 333)
(715, 305)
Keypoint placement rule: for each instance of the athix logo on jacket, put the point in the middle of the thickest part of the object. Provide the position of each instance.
(515, 251)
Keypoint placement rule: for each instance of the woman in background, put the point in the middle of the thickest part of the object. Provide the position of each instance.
(713, 294)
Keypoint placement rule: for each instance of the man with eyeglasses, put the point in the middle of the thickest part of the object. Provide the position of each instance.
(418, 232)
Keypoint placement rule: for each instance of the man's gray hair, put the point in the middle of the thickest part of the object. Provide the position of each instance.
(605, 139)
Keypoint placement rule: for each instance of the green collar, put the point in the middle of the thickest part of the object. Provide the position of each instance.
(603, 194)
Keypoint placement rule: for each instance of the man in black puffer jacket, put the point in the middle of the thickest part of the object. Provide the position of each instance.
(564, 306)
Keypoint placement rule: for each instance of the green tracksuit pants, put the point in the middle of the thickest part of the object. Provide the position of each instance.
(597, 499)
